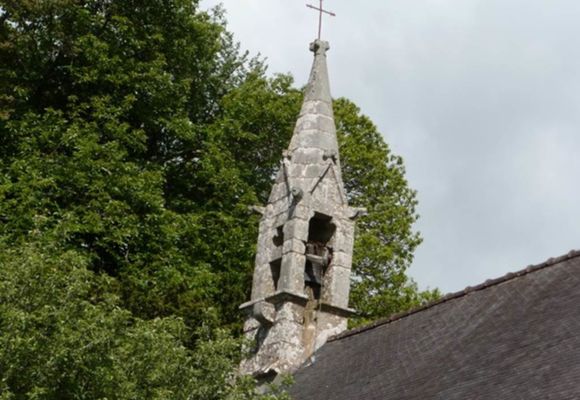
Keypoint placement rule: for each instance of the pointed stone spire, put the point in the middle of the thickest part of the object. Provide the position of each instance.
(315, 128)
(313, 149)
(319, 84)
(301, 279)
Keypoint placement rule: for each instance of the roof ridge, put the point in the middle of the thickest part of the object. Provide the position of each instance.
(452, 296)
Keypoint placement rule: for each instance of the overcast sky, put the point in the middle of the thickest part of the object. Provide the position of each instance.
(480, 97)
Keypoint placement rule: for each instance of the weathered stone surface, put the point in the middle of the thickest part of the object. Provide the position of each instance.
(284, 332)
(338, 283)
(294, 245)
(262, 283)
(251, 324)
(308, 171)
(314, 138)
(280, 218)
(342, 259)
(292, 273)
(317, 108)
(318, 122)
(303, 212)
(345, 238)
(329, 325)
(275, 254)
(305, 221)
(308, 156)
(264, 312)
(296, 229)
(290, 311)
(279, 191)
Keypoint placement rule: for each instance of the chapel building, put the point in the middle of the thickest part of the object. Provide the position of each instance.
(513, 338)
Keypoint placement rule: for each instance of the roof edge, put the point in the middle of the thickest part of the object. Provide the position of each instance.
(452, 296)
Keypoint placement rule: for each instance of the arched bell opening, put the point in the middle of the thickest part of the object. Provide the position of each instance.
(321, 231)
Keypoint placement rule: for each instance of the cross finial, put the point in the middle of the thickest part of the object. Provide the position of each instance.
(321, 11)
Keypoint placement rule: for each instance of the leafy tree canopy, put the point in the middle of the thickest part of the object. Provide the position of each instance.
(64, 336)
(385, 240)
(133, 137)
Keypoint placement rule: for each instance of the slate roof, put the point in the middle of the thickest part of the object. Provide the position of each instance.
(517, 337)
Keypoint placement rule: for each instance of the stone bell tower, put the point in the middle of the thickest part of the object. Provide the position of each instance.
(302, 274)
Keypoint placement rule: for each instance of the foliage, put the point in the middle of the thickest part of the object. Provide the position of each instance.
(107, 139)
(64, 336)
(133, 137)
(385, 241)
(109, 158)
(262, 115)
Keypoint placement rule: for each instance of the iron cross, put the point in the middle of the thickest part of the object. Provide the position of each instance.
(322, 11)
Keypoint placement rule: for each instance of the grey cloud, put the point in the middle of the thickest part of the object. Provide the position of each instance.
(480, 97)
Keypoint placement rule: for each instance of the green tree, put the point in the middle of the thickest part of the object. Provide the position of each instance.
(107, 138)
(257, 123)
(64, 336)
(385, 240)
(133, 137)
